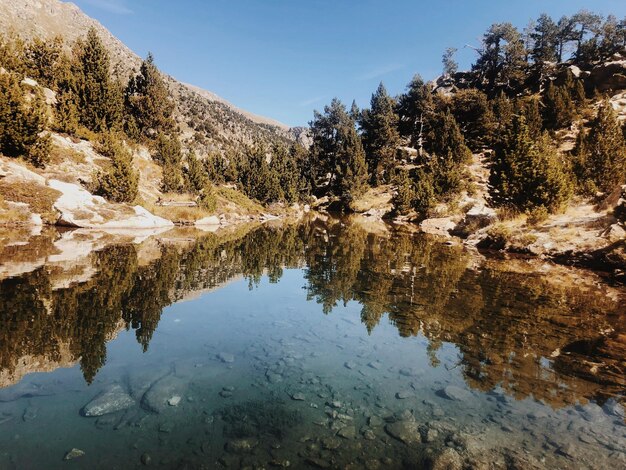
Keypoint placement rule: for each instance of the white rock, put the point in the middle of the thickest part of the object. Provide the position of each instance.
(210, 220)
(109, 401)
(174, 401)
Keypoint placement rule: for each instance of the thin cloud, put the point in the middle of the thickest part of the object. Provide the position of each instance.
(112, 6)
(311, 101)
(380, 71)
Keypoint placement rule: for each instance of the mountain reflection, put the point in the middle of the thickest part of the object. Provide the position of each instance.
(557, 337)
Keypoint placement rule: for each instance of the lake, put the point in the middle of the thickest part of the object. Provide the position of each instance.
(329, 343)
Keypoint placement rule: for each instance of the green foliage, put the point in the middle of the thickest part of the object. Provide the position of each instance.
(474, 116)
(119, 182)
(148, 100)
(424, 192)
(101, 104)
(558, 107)
(43, 61)
(380, 135)
(527, 173)
(337, 155)
(169, 154)
(445, 138)
(22, 122)
(257, 179)
(601, 153)
(545, 40)
(537, 215)
(404, 197)
(450, 66)
(66, 113)
(196, 178)
(414, 106)
(502, 57)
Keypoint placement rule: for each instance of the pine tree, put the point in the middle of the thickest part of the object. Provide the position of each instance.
(558, 107)
(196, 178)
(148, 100)
(352, 181)
(66, 113)
(502, 57)
(414, 108)
(532, 115)
(544, 39)
(450, 66)
(527, 173)
(601, 152)
(337, 156)
(100, 97)
(22, 122)
(404, 197)
(119, 182)
(445, 138)
(423, 190)
(474, 116)
(380, 136)
(169, 155)
(41, 59)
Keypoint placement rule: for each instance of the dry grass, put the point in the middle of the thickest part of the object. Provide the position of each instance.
(39, 198)
(374, 198)
(59, 155)
(227, 197)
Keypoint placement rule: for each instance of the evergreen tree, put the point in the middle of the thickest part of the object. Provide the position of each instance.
(148, 100)
(22, 122)
(527, 173)
(352, 181)
(286, 168)
(601, 152)
(584, 22)
(404, 197)
(42, 58)
(445, 138)
(196, 178)
(99, 96)
(414, 107)
(119, 182)
(337, 157)
(423, 192)
(545, 40)
(502, 57)
(450, 66)
(558, 107)
(66, 113)
(565, 34)
(532, 115)
(380, 136)
(474, 116)
(169, 155)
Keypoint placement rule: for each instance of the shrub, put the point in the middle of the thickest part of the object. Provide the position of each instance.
(119, 182)
(537, 215)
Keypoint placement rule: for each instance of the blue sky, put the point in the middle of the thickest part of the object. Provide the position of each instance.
(284, 58)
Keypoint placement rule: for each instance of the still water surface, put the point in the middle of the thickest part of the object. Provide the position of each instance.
(318, 345)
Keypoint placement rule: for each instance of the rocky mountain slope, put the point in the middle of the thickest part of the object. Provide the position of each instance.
(207, 122)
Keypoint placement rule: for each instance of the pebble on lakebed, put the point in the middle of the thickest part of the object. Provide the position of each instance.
(74, 454)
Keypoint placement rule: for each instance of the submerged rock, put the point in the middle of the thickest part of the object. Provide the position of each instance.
(449, 459)
(454, 393)
(109, 401)
(238, 446)
(226, 357)
(404, 431)
(73, 454)
(157, 397)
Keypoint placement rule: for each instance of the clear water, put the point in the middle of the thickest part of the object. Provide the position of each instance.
(321, 345)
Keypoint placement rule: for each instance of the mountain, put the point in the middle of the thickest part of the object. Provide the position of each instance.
(207, 122)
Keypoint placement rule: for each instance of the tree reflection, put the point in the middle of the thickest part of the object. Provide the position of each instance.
(523, 332)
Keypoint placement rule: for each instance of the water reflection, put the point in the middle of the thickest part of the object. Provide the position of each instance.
(557, 336)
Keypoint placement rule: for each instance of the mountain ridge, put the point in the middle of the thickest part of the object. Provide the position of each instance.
(49, 18)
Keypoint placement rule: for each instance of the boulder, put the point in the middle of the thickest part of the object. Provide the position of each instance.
(157, 398)
(111, 400)
(609, 76)
(406, 431)
(449, 459)
(77, 207)
(438, 226)
(614, 233)
(210, 220)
